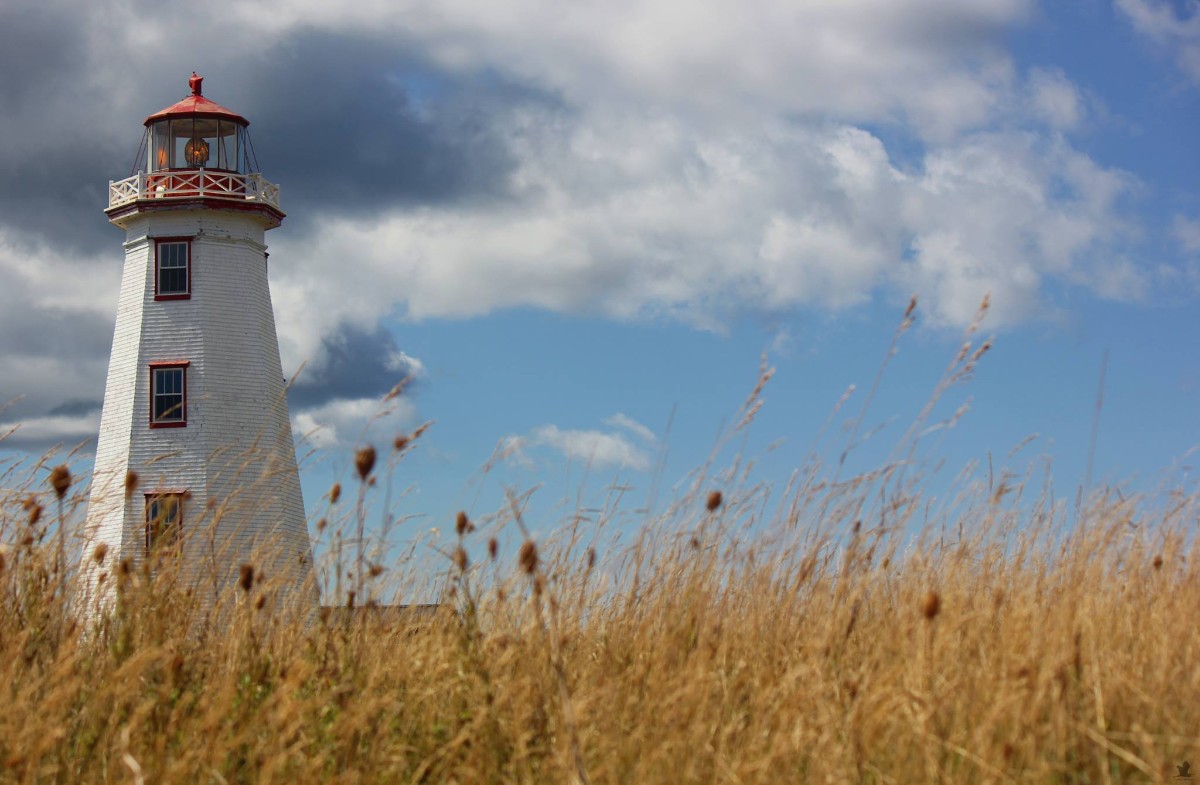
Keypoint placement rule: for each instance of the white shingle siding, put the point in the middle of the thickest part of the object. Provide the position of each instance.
(235, 457)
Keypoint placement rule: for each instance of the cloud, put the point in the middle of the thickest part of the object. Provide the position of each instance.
(1173, 26)
(349, 422)
(1002, 213)
(595, 448)
(932, 61)
(38, 434)
(1187, 234)
(353, 363)
(635, 217)
(380, 128)
(55, 336)
(619, 420)
(656, 160)
(1055, 99)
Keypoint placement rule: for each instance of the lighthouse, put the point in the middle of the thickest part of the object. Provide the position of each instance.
(195, 460)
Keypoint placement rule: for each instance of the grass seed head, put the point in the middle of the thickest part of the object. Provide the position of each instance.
(1158, 562)
(131, 482)
(364, 462)
(401, 442)
(100, 552)
(246, 577)
(60, 480)
(462, 524)
(460, 559)
(591, 558)
(528, 557)
(713, 501)
(34, 509)
(493, 548)
(335, 493)
(931, 604)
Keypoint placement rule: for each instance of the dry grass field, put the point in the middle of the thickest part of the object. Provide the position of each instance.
(834, 631)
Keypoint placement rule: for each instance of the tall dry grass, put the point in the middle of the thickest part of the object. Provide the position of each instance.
(839, 631)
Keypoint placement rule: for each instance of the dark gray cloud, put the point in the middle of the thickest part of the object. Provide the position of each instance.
(56, 332)
(43, 51)
(54, 361)
(353, 363)
(346, 123)
(75, 408)
(350, 125)
(54, 161)
(32, 438)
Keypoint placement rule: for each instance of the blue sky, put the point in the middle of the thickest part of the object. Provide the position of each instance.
(575, 225)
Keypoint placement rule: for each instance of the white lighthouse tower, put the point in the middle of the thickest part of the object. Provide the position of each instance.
(195, 454)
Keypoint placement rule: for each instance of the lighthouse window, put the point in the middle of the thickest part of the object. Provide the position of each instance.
(172, 269)
(168, 395)
(164, 521)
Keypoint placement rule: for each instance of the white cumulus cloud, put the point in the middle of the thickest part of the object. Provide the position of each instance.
(1173, 26)
(1187, 233)
(348, 423)
(598, 449)
(627, 219)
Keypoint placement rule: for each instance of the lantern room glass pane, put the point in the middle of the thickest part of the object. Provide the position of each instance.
(227, 146)
(181, 134)
(197, 142)
(193, 143)
(201, 149)
(244, 152)
(160, 147)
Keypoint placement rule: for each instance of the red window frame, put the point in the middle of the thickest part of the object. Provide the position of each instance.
(158, 243)
(159, 496)
(166, 366)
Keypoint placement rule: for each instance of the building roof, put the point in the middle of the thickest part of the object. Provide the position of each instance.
(196, 105)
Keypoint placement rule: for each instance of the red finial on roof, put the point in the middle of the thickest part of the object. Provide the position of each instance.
(195, 83)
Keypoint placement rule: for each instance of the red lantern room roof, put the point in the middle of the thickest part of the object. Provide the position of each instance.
(196, 105)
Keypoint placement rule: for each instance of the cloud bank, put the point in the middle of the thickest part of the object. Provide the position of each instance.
(651, 160)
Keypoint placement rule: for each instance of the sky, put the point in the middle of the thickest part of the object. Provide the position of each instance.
(580, 227)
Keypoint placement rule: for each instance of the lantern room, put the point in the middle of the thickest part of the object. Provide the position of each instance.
(195, 149)
(197, 133)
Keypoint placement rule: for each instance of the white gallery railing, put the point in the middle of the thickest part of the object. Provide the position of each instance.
(191, 184)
